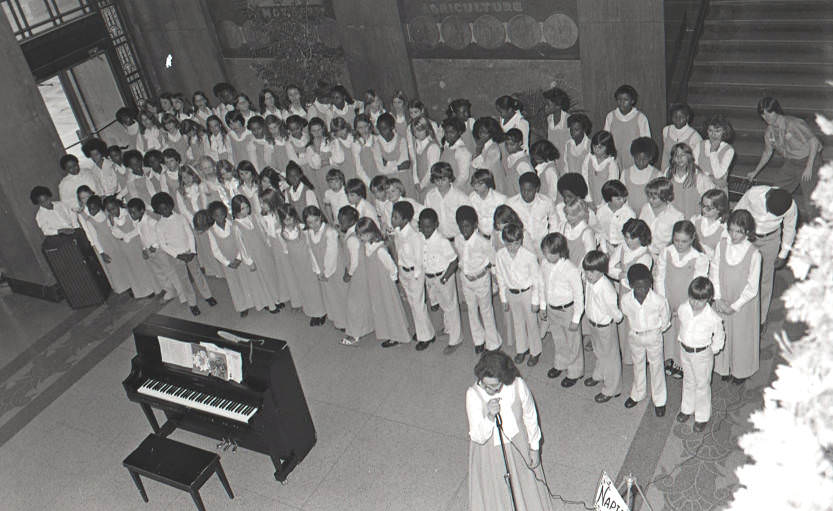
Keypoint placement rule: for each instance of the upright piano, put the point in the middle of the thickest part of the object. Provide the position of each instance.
(265, 412)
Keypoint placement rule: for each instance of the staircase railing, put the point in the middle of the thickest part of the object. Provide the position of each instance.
(686, 31)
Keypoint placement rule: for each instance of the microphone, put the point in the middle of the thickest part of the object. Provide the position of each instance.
(498, 420)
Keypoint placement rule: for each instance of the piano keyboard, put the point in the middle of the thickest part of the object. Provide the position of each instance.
(198, 400)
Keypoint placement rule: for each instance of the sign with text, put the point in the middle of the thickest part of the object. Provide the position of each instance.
(491, 29)
(608, 497)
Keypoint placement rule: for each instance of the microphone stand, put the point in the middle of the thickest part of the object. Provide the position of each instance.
(507, 477)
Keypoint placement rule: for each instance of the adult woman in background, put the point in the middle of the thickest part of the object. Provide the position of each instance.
(801, 149)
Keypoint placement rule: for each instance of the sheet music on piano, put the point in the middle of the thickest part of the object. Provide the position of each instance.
(204, 358)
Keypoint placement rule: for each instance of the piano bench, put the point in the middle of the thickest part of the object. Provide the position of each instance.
(175, 464)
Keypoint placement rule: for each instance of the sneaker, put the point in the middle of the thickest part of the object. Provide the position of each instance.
(676, 371)
(211, 301)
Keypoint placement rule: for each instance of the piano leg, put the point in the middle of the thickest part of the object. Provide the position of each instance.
(150, 416)
(138, 481)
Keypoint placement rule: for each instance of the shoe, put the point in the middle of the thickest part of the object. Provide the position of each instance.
(313, 321)
(451, 348)
(519, 358)
(349, 341)
(590, 382)
(554, 373)
(435, 308)
(676, 371)
(389, 343)
(244, 313)
(568, 382)
(738, 381)
(211, 301)
(281, 305)
(726, 377)
(604, 398)
(195, 310)
(683, 417)
(660, 411)
(533, 360)
(274, 310)
(630, 403)
(479, 349)
(669, 364)
(699, 426)
(421, 345)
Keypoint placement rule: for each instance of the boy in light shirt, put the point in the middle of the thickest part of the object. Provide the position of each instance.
(611, 217)
(440, 263)
(563, 308)
(476, 266)
(158, 261)
(701, 338)
(602, 313)
(648, 315)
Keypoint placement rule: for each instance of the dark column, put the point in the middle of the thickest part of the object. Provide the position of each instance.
(374, 46)
(31, 149)
(183, 29)
(623, 41)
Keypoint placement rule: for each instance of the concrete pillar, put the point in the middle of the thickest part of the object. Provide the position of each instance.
(374, 47)
(182, 29)
(623, 41)
(30, 149)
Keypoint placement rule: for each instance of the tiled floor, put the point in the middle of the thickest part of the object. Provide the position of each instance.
(391, 426)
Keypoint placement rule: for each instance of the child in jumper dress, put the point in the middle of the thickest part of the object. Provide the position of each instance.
(659, 213)
(635, 250)
(271, 219)
(301, 192)
(736, 274)
(487, 155)
(263, 147)
(228, 180)
(224, 247)
(687, 182)
(389, 320)
(142, 280)
(359, 310)
(327, 264)
(677, 265)
(249, 185)
(426, 152)
(240, 139)
(644, 152)
(461, 109)
(545, 159)
(335, 197)
(190, 199)
(600, 166)
(319, 152)
(217, 143)
(711, 222)
(626, 123)
(391, 153)
(210, 185)
(342, 142)
(366, 165)
(515, 161)
(300, 260)
(579, 236)
(456, 154)
(576, 149)
(108, 249)
(261, 277)
(715, 155)
(558, 131)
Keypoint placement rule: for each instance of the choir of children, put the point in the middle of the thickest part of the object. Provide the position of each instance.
(576, 235)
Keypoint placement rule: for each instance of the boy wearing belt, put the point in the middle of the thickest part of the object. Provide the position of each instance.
(701, 338)
(649, 315)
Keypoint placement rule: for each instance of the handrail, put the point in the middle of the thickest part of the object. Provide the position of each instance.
(682, 91)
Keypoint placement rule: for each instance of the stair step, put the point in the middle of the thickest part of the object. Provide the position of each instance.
(808, 99)
(746, 118)
(781, 30)
(752, 50)
(782, 73)
(745, 10)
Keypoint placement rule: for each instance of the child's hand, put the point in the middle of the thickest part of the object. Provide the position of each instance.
(573, 326)
(505, 307)
(106, 258)
(542, 315)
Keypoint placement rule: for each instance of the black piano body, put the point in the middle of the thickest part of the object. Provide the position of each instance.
(281, 427)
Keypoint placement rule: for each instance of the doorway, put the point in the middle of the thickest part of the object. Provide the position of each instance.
(82, 101)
